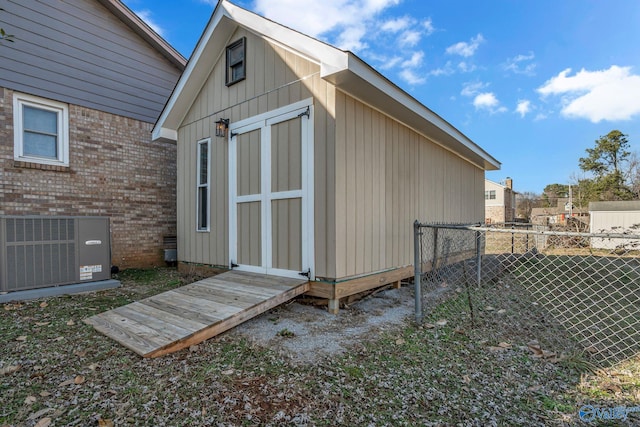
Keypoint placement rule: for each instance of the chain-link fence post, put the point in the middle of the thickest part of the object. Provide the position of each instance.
(478, 257)
(417, 267)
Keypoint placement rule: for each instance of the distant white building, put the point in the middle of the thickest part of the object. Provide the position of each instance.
(499, 202)
(615, 217)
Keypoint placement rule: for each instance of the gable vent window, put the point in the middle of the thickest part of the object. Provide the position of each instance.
(236, 61)
(41, 130)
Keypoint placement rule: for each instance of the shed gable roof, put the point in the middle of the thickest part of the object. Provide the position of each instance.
(346, 71)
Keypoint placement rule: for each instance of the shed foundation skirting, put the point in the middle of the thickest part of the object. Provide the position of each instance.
(330, 289)
(335, 290)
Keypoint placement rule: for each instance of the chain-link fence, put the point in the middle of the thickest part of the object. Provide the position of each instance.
(578, 292)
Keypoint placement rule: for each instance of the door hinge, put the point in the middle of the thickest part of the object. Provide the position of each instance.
(307, 273)
(307, 113)
(233, 265)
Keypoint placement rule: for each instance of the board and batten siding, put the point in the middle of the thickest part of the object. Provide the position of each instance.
(387, 176)
(276, 77)
(78, 52)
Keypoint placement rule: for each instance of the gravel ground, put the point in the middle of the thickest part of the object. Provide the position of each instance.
(304, 333)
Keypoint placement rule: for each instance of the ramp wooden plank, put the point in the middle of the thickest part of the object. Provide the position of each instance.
(253, 291)
(151, 332)
(185, 322)
(166, 330)
(258, 280)
(123, 334)
(230, 322)
(185, 316)
(196, 316)
(211, 307)
(223, 296)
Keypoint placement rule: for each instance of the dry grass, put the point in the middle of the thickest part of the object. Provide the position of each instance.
(441, 373)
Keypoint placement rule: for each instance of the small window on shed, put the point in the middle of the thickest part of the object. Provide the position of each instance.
(236, 61)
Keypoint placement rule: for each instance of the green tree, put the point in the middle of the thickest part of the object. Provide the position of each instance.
(552, 193)
(605, 161)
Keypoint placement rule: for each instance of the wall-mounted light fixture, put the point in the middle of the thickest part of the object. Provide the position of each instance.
(221, 128)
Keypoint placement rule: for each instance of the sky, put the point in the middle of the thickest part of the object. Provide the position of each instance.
(533, 82)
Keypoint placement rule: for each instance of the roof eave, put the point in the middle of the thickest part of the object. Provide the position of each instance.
(141, 28)
(367, 85)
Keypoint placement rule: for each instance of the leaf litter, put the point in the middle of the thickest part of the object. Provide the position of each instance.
(370, 365)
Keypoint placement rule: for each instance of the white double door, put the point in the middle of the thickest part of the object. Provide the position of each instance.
(271, 192)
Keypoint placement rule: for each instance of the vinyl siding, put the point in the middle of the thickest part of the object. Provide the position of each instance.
(78, 52)
(276, 77)
(387, 176)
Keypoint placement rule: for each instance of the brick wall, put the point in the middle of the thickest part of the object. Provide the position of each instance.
(496, 214)
(114, 170)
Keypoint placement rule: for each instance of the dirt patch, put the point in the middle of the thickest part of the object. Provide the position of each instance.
(305, 333)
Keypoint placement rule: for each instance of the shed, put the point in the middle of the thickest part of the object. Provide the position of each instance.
(323, 163)
(619, 217)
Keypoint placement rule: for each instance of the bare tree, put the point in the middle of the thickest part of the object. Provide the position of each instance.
(632, 174)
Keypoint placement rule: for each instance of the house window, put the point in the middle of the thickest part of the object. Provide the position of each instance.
(236, 63)
(202, 187)
(41, 130)
(490, 195)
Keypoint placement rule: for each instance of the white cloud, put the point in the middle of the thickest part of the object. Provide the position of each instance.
(351, 38)
(359, 26)
(472, 88)
(521, 64)
(412, 77)
(145, 15)
(388, 63)
(410, 69)
(410, 38)
(465, 67)
(612, 94)
(447, 70)
(466, 49)
(483, 100)
(396, 25)
(524, 107)
(351, 19)
(428, 26)
(415, 60)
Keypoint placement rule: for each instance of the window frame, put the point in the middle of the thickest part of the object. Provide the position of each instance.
(229, 81)
(21, 100)
(206, 187)
(489, 193)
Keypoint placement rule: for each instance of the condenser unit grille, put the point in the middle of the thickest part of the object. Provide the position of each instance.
(37, 252)
(40, 252)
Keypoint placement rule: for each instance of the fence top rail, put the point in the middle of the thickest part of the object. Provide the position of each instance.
(476, 227)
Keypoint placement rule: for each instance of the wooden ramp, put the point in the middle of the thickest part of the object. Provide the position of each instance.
(188, 315)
